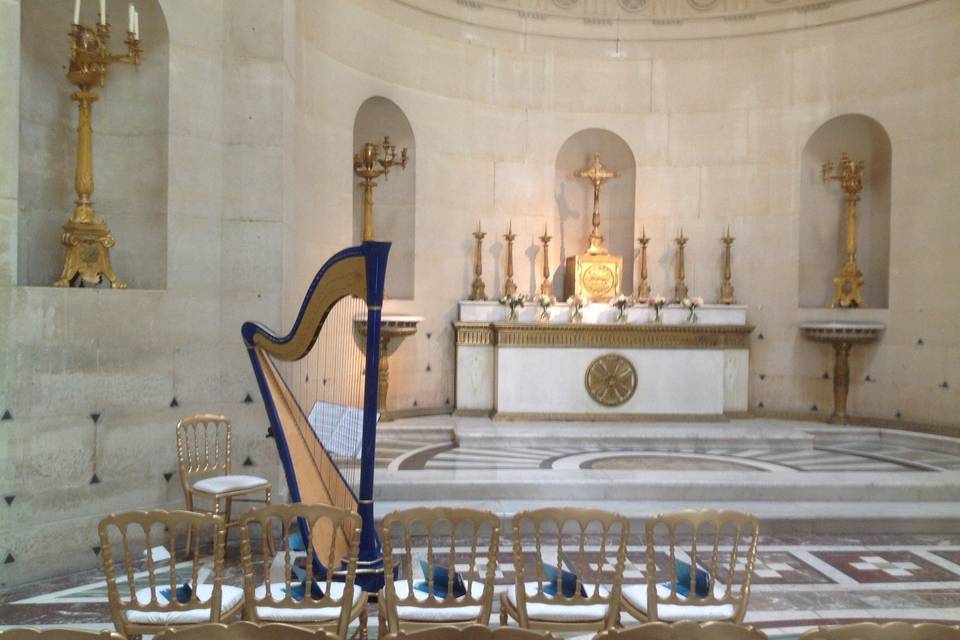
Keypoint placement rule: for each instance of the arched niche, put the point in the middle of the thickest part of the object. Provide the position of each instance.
(574, 201)
(394, 198)
(823, 211)
(130, 132)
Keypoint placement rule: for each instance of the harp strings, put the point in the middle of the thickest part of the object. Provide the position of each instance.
(328, 385)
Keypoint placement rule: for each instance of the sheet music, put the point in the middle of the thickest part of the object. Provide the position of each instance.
(339, 428)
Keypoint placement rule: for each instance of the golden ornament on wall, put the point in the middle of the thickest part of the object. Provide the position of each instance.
(611, 380)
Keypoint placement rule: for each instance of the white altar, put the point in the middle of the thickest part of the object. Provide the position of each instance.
(600, 368)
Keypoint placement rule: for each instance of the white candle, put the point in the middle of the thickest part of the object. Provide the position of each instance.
(130, 19)
(136, 24)
(103, 11)
(76, 12)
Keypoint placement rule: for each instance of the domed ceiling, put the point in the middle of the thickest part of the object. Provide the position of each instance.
(635, 18)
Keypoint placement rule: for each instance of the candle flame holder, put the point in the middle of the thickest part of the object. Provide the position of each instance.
(373, 161)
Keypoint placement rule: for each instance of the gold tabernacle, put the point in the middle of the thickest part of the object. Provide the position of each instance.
(87, 239)
(595, 275)
(365, 166)
(849, 279)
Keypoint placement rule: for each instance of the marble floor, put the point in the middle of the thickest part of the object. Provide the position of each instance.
(858, 523)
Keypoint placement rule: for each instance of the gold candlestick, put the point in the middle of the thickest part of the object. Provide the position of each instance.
(365, 165)
(680, 290)
(643, 289)
(509, 286)
(849, 279)
(87, 239)
(597, 174)
(726, 287)
(546, 288)
(478, 289)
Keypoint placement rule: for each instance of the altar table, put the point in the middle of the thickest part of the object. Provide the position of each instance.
(600, 368)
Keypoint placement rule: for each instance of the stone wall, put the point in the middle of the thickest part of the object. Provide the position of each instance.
(94, 380)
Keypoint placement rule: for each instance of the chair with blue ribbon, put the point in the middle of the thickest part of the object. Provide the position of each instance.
(291, 576)
(568, 565)
(440, 564)
(699, 567)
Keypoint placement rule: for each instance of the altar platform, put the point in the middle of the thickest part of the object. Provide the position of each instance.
(599, 368)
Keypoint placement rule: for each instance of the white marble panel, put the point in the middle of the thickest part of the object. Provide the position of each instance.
(475, 378)
(736, 379)
(669, 381)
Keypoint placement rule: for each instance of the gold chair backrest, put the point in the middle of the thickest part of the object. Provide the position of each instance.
(244, 631)
(885, 631)
(473, 632)
(560, 537)
(203, 446)
(316, 524)
(136, 534)
(453, 537)
(28, 633)
(684, 630)
(688, 533)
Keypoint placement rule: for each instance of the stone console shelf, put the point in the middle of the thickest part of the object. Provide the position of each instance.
(530, 369)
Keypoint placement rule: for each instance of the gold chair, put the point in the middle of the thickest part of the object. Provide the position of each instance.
(403, 607)
(472, 632)
(886, 631)
(271, 596)
(244, 631)
(29, 633)
(595, 601)
(728, 589)
(684, 630)
(204, 445)
(153, 607)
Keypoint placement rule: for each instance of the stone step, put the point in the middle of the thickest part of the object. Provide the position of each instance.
(777, 518)
(603, 486)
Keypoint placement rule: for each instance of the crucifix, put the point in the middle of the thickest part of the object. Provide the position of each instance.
(597, 174)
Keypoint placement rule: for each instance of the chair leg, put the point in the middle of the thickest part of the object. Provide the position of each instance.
(363, 623)
(503, 618)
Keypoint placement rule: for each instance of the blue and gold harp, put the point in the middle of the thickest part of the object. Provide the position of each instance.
(319, 388)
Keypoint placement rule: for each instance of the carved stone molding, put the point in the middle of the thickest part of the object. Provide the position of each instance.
(607, 336)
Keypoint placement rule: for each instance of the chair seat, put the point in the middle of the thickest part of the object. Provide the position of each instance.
(301, 614)
(559, 612)
(636, 595)
(436, 614)
(226, 484)
(230, 597)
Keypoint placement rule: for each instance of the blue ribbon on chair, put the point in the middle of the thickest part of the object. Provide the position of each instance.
(441, 578)
(568, 582)
(702, 581)
(184, 592)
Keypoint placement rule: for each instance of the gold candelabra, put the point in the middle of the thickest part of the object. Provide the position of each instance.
(478, 291)
(546, 288)
(849, 279)
(726, 287)
(373, 161)
(86, 238)
(597, 174)
(509, 286)
(680, 290)
(643, 289)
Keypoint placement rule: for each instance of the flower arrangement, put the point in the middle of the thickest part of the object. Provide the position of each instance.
(514, 302)
(692, 304)
(544, 301)
(576, 304)
(621, 302)
(657, 302)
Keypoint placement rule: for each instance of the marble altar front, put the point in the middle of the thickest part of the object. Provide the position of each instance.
(600, 368)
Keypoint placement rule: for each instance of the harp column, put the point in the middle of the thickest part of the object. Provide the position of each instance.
(391, 326)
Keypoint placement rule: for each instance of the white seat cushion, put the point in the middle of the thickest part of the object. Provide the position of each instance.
(636, 595)
(229, 598)
(435, 614)
(225, 484)
(559, 612)
(301, 614)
